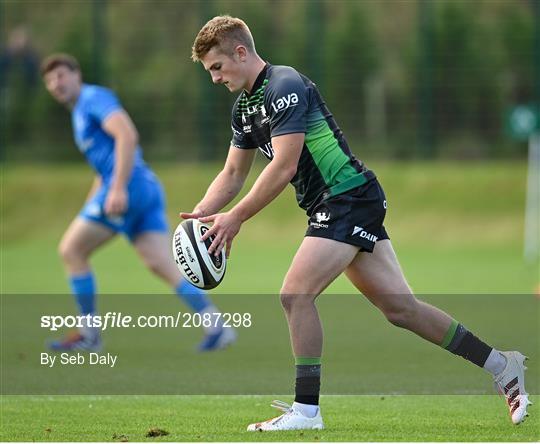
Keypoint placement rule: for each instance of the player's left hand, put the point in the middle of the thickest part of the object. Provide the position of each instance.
(116, 202)
(225, 227)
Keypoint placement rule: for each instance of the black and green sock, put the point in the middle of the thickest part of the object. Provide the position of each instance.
(308, 380)
(462, 342)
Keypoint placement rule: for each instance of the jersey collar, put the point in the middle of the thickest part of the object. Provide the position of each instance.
(259, 80)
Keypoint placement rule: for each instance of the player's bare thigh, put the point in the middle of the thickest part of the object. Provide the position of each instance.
(378, 276)
(80, 240)
(316, 264)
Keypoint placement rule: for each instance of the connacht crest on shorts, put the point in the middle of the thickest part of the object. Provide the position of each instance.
(320, 219)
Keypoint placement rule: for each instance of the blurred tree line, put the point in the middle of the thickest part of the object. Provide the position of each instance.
(428, 78)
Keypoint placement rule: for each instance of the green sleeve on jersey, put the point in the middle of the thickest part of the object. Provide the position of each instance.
(333, 164)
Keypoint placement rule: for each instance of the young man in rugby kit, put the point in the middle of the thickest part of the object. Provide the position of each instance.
(280, 112)
(126, 197)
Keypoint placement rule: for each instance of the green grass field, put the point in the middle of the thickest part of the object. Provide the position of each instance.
(458, 232)
(224, 418)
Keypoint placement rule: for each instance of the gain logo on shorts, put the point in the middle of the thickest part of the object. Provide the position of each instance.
(320, 217)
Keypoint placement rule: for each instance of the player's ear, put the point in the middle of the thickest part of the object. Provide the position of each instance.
(241, 52)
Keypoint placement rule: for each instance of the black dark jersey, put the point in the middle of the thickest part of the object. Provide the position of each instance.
(283, 101)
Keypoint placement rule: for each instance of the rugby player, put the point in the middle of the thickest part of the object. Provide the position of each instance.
(281, 112)
(126, 197)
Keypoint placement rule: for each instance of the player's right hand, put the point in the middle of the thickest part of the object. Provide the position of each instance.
(195, 214)
(116, 202)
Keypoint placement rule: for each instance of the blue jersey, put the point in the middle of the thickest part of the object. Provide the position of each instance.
(93, 106)
(146, 200)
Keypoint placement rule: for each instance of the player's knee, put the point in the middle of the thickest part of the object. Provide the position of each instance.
(68, 253)
(287, 301)
(163, 268)
(401, 315)
(290, 299)
(154, 265)
(301, 287)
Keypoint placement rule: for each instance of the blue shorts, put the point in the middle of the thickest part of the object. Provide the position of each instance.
(146, 209)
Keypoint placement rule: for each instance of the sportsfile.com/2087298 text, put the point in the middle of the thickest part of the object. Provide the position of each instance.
(119, 320)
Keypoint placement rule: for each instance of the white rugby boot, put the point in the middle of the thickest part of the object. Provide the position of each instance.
(511, 383)
(291, 419)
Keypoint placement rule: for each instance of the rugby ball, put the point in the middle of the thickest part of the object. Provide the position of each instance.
(191, 255)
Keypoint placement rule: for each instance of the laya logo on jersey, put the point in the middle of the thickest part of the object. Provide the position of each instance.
(285, 102)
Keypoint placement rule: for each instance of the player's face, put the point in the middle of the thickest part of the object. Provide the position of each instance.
(63, 84)
(225, 69)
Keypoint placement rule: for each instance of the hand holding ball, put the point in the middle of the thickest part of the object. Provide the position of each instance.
(191, 255)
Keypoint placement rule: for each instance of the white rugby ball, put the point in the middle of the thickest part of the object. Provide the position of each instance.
(191, 255)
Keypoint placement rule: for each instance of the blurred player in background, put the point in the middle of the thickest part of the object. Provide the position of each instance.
(281, 112)
(126, 197)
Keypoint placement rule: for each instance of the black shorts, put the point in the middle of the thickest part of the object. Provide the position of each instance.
(354, 217)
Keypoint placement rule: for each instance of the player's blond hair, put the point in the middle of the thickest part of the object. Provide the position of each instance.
(225, 33)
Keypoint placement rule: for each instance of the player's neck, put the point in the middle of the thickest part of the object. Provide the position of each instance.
(71, 103)
(256, 68)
